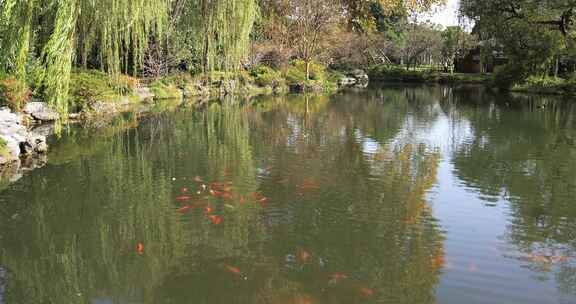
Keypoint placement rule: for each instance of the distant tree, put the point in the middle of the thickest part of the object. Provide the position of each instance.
(310, 22)
(455, 42)
(423, 44)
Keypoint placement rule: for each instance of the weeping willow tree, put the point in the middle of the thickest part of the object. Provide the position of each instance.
(224, 27)
(41, 41)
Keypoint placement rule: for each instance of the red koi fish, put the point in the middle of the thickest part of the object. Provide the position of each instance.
(234, 270)
(227, 196)
(215, 193)
(263, 202)
(215, 219)
(366, 292)
(183, 198)
(208, 209)
(140, 248)
(184, 209)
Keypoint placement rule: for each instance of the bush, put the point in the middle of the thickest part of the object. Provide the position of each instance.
(14, 93)
(397, 73)
(508, 75)
(165, 89)
(265, 76)
(88, 86)
(296, 72)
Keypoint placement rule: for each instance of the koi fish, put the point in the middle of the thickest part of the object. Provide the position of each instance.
(337, 277)
(215, 219)
(365, 291)
(263, 202)
(183, 198)
(242, 200)
(437, 261)
(184, 209)
(140, 248)
(208, 209)
(302, 256)
(215, 193)
(232, 269)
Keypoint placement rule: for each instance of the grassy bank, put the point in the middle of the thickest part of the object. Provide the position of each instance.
(546, 85)
(4, 153)
(400, 74)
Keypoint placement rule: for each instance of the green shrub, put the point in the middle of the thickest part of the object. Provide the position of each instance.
(165, 89)
(14, 93)
(399, 74)
(89, 85)
(296, 72)
(265, 76)
(4, 148)
(508, 75)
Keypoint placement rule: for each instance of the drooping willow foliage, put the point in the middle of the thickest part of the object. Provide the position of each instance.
(41, 41)
(224, 26)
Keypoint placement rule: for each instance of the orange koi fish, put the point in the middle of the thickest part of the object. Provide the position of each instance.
(140, 248)
(337, 277)
(365, 291)
(234, 270)
(184, 209)
(183, 198)
(215, 219)
(242, 200)
(302, 256)
(208, 209)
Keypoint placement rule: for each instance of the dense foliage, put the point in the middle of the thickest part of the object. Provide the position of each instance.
(43, 42)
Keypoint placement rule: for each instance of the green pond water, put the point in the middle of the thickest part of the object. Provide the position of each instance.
(395, 194)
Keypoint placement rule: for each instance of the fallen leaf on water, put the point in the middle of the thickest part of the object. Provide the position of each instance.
(140, 248)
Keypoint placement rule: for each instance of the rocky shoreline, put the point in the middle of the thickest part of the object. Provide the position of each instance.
(23, 135)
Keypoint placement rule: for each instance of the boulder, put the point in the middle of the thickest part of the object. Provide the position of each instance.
(361, 77)
(347, 81)
(41, 111)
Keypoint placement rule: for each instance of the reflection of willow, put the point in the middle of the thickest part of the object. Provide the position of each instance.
(526, 154)
(378, 229)
(79, 225)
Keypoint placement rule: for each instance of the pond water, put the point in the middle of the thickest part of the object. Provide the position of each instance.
(390, 195)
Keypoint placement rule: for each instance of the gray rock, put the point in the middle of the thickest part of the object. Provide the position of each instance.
(347, 81)
(41, 111)
(361, 77)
